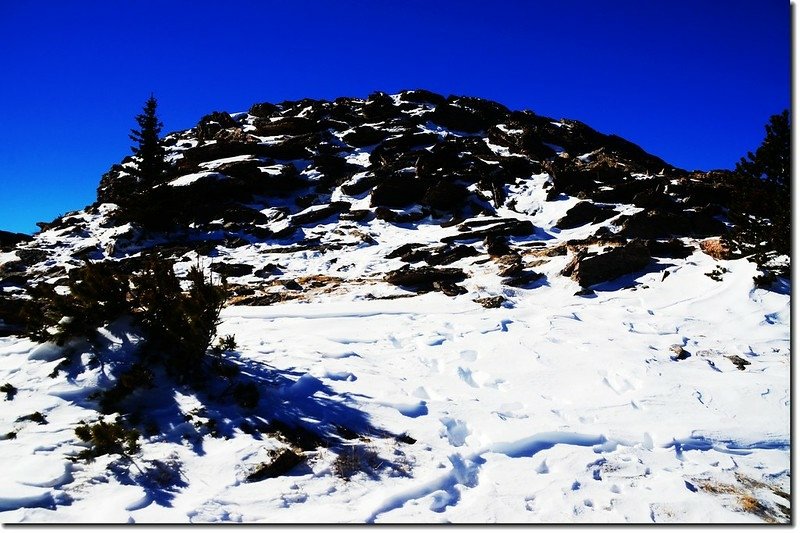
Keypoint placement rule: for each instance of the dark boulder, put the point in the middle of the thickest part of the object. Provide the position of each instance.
(291, 285)
(297, 147)
(442, 160)
(739, 362)
(306, 200)
(335, 170)
(235, 135)
(380, 106)
(247, 171)
(624, 192)
(220, 150)
(655, 199)
(524, 278)
(321, 213)
(213, 123)
(404, 250)
(286, 126)
(498, 228)
(421, 96)
(424, 277)
(526, 142)
(510, 264)
(397, 191)
(263, 110)
(390, 149)
(356, 215)
(32, 256)
(489, 110)
(232, 270)
(673, 248)
(365, 136)
(491, 302)
(459, 118)
(589, 270)
(585, 213)
(362, 185)
(584, 180)
(451, 255)
(496, 245)
(445, 196)
(448, 288)
(655, 225)
(402, 217)
(8, 239)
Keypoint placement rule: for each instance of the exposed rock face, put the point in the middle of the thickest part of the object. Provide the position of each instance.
(211, 124)
(585, 213)
(592, 269)
(320, 177)
(8, 239)
(424, 277)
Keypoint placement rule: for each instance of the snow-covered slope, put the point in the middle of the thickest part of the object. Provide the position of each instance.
(518, 378)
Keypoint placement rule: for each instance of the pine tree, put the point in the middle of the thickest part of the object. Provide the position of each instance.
(761, 211)
(771, 160)
(152, 164)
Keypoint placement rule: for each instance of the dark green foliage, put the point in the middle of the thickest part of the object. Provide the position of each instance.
(37, 417)
(717, 273)
(107, 438)
(43, 312)
(224, 344)
(138, 377)
(771, 161)
(140, 203)
(179, 325)
(10, 391)
(761, 210)
(151, 164)
(97, 296)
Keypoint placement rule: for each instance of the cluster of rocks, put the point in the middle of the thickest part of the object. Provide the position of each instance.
(420, 158)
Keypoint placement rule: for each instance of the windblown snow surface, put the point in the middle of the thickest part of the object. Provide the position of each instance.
(554, 408)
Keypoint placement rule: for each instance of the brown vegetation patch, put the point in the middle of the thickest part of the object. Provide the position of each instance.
(716, 249)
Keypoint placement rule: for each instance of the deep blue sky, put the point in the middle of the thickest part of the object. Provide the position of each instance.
(692, 81)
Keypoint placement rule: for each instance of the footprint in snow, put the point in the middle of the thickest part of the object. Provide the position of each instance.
(466, 376)
(530, 503)
(455, 430)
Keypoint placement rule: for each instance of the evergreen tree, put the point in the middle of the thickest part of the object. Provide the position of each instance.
(771, 160)
(761, 211)
(152, 164)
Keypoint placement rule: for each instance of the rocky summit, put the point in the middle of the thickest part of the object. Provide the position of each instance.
(433, 309)
(305, 182)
